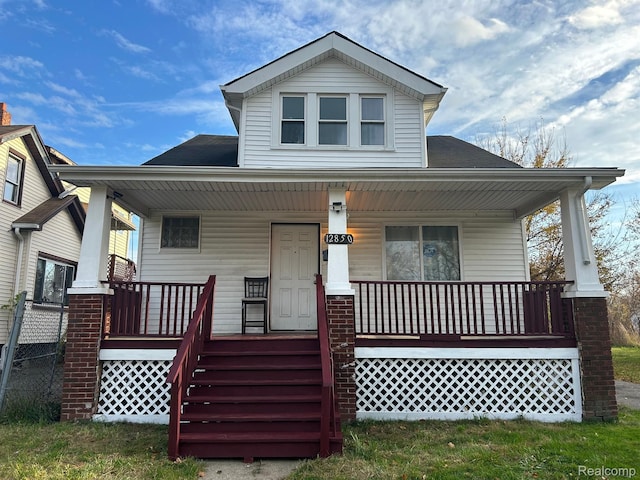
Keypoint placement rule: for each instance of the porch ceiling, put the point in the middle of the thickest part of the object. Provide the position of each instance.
(521, 191)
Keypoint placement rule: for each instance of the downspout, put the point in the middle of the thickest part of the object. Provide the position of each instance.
(16, 286)
(582, 220)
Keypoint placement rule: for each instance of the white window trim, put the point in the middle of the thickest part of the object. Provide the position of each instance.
(348, 121)
(180, 250)
(20, 180)
(55, 261)
(312, 116)
(420, 225)
(383, 121)
(305, 119)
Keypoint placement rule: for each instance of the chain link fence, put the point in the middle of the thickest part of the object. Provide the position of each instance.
(32, 360)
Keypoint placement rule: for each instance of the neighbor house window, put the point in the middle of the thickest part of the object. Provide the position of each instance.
(332, 121)
(371, 121)
(292, 122)
(426, 253)
(13, 180)
(180, 232)
(53, 277)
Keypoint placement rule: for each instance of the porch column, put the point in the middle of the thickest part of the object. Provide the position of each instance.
(589, 309)
(80, 384)
(338, 261)
(92, 266)
(341, 320)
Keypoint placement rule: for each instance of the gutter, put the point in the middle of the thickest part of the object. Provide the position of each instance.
(16, 286)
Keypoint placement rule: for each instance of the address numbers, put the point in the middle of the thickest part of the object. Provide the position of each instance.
(338, 238)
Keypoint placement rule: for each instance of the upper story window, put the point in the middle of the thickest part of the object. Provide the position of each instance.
(13, 179)
(332, 121)
(53, 277)
(372, 121)
(180, 232)
(293, 120)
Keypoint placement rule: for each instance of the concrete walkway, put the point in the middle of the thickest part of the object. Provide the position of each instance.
(628, 394)
(269, 469)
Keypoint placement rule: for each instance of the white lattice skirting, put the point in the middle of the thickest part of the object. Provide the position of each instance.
(132, 386)
(452, 384)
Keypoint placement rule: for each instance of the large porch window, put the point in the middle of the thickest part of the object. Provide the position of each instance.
(422, 253)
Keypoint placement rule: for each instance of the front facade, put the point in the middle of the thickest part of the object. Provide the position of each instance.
(419, 240)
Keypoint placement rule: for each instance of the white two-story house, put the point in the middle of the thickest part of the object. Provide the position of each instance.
(401, 255)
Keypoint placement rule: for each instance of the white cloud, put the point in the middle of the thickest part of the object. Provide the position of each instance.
(598, 15)
(126, 44)
(469, 31)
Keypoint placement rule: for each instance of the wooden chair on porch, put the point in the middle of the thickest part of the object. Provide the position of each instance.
(256, 292)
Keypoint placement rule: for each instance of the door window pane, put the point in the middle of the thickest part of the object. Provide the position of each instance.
(440, 253)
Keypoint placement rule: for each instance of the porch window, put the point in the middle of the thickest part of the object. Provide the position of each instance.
(332, 121)
(53, 277)
(292, 121)
(371, 121)
(13, 179)
(422, 253)
(180, 232)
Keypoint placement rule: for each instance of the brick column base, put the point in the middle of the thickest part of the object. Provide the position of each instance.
(596, 365)
(340, 316)
(81, 365)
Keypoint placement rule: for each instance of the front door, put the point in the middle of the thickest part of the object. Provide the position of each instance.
(294, 262)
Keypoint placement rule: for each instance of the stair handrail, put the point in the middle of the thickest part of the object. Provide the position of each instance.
(199, 330)
(327, 419)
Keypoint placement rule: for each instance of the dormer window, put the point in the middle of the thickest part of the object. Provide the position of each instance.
(372, 121)
(332, 121)
(292, 122)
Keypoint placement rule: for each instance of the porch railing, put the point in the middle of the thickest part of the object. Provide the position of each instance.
(328, 417)
(200, 327)
(150, 309)
(462, 309)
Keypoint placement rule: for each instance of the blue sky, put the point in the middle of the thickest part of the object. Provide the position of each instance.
(119, 82)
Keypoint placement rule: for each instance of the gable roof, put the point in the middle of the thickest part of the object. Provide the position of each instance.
(222, 151)
(332, 45)
(38, 151)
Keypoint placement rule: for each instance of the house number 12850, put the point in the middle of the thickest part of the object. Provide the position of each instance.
(338, 238)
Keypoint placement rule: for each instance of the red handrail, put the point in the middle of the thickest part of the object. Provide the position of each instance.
(327, 420)
(186, 359)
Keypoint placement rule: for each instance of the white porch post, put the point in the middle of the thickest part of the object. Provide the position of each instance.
(338, 261)
(579, 259)
(92, 265)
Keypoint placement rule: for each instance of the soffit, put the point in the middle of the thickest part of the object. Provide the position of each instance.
(144, 189)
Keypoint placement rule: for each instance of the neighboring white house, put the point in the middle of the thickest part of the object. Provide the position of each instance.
(332, 173)
(40, 229)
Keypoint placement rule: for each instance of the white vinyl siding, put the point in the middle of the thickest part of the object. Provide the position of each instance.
(59, 236)
(405, 142)
(237, 244)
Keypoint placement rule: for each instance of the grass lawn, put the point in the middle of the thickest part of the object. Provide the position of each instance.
(480, 449)
(88, 451)
(626, 363)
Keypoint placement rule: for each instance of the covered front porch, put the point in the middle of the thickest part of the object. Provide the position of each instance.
(490, 342)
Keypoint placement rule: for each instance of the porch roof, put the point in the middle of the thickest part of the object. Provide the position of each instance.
(162, 187)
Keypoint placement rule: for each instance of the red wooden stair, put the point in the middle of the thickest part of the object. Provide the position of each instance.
(255, 397)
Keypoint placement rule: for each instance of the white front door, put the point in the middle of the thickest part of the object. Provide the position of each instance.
(294, 262)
